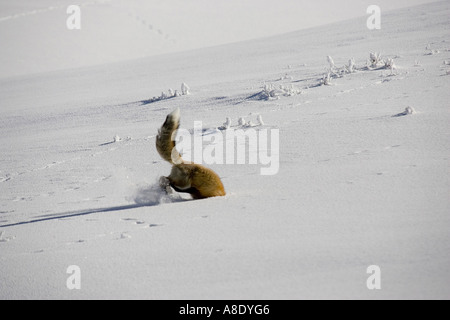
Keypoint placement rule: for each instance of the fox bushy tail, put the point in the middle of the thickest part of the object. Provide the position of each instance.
(165, 140)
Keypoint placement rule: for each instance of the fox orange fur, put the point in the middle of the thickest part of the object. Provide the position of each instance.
(197, 180)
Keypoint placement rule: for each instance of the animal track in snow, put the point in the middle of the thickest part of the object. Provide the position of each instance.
(152, 225)
(47, 9)
(5, 239)
(142, 223)
(5, 179)
(135, 221)
(123, 235)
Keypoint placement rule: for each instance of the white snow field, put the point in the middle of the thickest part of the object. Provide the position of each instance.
(363, 173)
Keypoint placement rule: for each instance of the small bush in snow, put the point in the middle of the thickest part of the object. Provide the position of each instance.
(351, 65)
(375, 59)
(268, 91)
(408, 111)
(248, 124)
(331, 62)
(171, 93)
(185, 89)
(338, 72)
(271, 92)
(226, 125)
(260, 120)
(289, 91)
(326, 80)
(389, 64)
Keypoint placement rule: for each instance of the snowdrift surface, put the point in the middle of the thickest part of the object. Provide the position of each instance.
(362, 180)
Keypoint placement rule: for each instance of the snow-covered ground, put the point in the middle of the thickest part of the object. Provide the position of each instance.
(361, 181)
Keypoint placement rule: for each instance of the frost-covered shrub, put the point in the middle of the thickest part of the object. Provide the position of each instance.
(331, 62)
(260, 120)
(171, 93)
(389, 64)
(242, 123)
(289, 91)
(249, 124)
(185, 89)
(338, 72)
(351, 65)
(408, 111)
(326, 80)
(268, 92)
(227, 123)
(375, 59)
(271, 92)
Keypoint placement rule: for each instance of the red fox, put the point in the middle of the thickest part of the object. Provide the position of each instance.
(187, 177)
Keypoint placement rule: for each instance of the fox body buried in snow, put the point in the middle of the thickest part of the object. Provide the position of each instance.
(197, 180)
